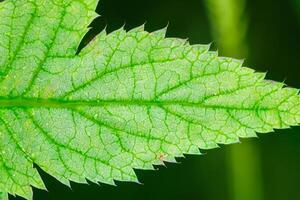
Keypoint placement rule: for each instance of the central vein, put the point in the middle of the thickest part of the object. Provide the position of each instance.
(72, 104)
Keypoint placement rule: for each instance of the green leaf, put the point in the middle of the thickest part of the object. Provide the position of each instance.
(127, 101)
(3, 196)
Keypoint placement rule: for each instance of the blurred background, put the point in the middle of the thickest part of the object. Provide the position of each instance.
(266, 33)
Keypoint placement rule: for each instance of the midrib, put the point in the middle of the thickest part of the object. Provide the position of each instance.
(73, 104)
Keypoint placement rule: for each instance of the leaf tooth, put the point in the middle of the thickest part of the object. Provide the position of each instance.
(260, 75)
(145, 166)
(39, 184)
(140, 28)
(238, 62)
(158, 162)
(201, 48)
(161, 33)
(275, 84)
(110, 182)
(194, 150)
(60, 178)
(232, 64)
(23, 191)
(118, 32)
(129, 176)
(171, 159)
(103, 32)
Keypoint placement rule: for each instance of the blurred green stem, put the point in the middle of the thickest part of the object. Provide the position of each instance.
(245, 173)
(229, 23)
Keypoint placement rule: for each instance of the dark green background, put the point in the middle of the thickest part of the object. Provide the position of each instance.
(274, 39)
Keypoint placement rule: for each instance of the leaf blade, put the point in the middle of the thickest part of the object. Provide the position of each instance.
(130, 100)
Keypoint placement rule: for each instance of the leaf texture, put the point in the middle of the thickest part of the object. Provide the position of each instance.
(3, 195)
(128, 100)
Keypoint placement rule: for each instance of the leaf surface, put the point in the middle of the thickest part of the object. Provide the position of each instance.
(127, 101)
